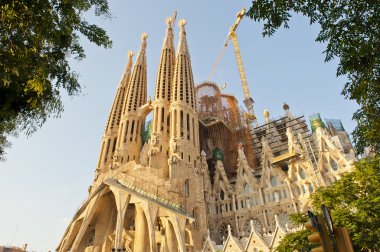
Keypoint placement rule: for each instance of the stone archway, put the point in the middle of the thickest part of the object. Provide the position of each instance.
(142, 240)
(171, 238)
(103, 223)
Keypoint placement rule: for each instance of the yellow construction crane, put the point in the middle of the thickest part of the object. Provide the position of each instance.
(248, 101)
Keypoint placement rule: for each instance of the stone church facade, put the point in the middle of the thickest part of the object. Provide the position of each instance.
(199, 177)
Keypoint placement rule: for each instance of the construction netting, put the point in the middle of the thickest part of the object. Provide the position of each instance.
(316, 122)
(224, 127)
(335, 123)
(208, 101)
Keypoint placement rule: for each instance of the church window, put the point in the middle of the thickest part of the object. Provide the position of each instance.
(156, 120)
(252, 201)
(162, 118)
(175, 123)
(304, 188)
(182, 123)
(120, 132)
(188, 126)
(126, 132)
(334, 164)
(193, 132)
(107, 149)
(311, 189)
(168, 124)
(114, 145)
(137, 130)
(181, 155)
(247, 189)
(132, 129)
(275, 196)
(189, 158)
(187, 191)
(298, 190)
(221, 194)
(273, 181)
(284, 192)
(302, 173)
(196, 217)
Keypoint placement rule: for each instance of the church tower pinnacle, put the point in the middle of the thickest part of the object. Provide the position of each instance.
(112, 126)
(131, 126)
(184, 119)
(184, 154)
(161, 104)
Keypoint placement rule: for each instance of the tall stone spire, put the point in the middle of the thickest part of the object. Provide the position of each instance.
(184, 153)
(183, 83)
(112, 126)
(184, 117)
(166, 67)
(131, 125)
(161, 105)
(136, 95)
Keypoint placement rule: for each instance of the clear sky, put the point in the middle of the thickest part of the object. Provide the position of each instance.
(46, 176)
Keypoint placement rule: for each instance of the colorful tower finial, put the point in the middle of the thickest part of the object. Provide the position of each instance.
(144, 36)
(182, 24)
(266, 115)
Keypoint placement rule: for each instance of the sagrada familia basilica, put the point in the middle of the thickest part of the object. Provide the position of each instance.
(199, 176)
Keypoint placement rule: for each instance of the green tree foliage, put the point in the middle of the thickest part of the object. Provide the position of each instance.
(351, 31)
(354, 202)
(37, 38)
(296, 241)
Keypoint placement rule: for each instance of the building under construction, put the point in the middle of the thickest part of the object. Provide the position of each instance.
(259, 174)
(203, 176)
(222, 128)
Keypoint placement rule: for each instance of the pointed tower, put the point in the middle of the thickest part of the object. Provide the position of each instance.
(161, 105)
(184, 142)
(184, 154)
(112, 127)
(131, 126)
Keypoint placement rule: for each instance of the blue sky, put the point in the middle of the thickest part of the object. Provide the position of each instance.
(46, 176)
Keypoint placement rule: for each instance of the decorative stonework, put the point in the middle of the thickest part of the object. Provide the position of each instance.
(192, 175)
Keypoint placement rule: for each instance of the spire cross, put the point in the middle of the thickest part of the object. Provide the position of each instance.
(169, 22)
(182, 24)
(130, 55)
(143, 40)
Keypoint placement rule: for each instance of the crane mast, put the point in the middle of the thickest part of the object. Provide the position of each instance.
(248, 101)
